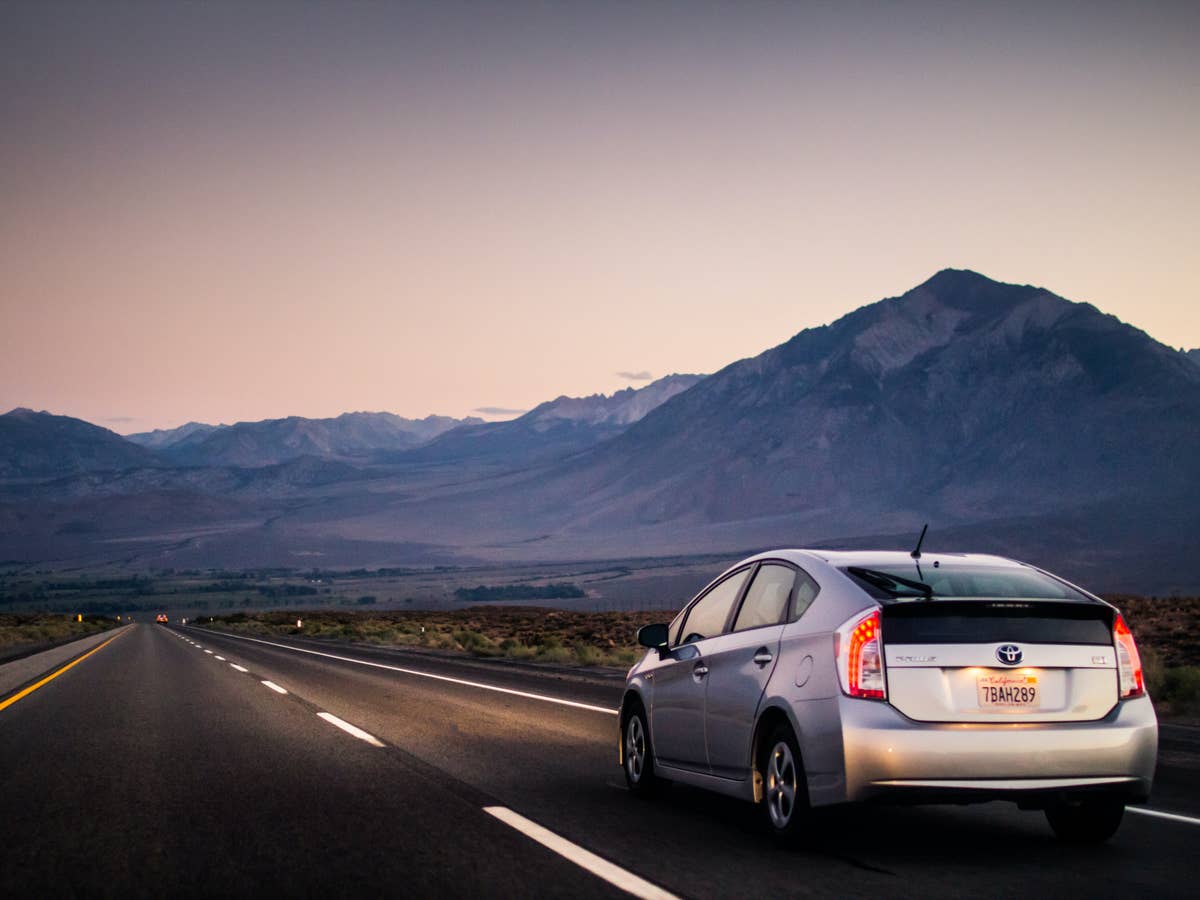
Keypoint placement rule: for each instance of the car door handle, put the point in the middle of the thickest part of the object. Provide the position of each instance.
(700, 670)
(762, 656)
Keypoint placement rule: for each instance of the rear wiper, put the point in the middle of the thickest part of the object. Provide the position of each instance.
(886, 581)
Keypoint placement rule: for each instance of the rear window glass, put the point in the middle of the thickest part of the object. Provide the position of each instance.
(967, 581)
(975, 622)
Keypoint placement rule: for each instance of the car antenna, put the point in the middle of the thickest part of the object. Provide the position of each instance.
(916, 554)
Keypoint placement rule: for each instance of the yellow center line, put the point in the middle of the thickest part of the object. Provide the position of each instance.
(4, 704)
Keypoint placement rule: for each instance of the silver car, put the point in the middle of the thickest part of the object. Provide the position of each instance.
(803, 678)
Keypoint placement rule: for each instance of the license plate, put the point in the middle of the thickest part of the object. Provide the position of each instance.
(1009, 689)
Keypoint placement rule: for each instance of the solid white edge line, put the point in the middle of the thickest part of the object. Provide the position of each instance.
(351, 729)
(239, 668)
(276, 688)
(1158, 814)
(475, 684)
(585, 859)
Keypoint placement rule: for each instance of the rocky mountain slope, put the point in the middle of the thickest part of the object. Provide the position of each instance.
(555, 428)
(273, 441)
(161, 438)
(40, 445)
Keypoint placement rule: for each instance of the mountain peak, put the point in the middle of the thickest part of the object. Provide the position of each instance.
(43, 445)
(621, 408)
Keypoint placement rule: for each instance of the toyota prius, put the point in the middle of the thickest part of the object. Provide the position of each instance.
(805, 678)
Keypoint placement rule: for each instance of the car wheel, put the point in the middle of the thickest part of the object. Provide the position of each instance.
(1087, 821)
(639, 758)
(785, 788)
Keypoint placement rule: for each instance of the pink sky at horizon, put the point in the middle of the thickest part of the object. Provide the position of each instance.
(221, 212)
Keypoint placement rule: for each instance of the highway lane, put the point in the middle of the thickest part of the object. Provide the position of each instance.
(152, 768)
(156, 766)
(556, 764)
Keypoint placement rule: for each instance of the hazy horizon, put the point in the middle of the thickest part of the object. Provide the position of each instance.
(227, 212)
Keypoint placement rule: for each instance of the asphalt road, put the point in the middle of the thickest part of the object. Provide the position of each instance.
(158, 767)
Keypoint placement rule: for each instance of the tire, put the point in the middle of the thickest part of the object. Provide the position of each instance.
(785, 786)
(1086, 821)
(639, 756)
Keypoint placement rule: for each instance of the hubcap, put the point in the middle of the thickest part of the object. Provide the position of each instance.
(781, 785)
(635, 748)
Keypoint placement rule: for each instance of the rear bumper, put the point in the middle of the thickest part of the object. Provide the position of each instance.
(889, 757)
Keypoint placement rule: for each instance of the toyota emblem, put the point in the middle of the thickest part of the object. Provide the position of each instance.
(1009, 654)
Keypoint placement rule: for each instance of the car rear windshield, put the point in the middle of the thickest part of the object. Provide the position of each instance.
(996, 621)
(962, 582)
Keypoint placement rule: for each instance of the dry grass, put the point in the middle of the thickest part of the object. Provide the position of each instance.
(31, 629)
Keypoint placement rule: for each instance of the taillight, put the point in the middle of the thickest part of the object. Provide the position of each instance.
(858, 645)
(1129, 664)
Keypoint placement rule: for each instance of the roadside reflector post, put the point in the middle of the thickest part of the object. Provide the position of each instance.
(299, 623)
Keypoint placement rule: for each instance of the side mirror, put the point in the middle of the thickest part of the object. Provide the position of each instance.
(653, 636)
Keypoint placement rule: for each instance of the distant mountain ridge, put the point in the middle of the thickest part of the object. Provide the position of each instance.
(273, 441)
(1013, 420)
(41, 445)
(619, 409)
(162, 438)
(555, 428)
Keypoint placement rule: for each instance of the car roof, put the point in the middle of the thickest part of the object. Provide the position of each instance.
(868, 559)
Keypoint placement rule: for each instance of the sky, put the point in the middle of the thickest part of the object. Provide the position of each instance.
(236, 211)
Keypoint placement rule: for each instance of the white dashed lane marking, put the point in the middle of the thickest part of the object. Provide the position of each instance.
(351, 729)
(276, 688)
(444, 678)
(1159, 814)
(585, 859)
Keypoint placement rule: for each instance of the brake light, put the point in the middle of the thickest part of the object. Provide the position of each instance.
(1129, 664)
(858, 645)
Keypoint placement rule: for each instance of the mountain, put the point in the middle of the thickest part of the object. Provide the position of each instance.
(1009, 418)
(41, 445)
(1193, 355)
(963, 401)
(617, 410)
(161, 438)
(552, 429)
(965, 397)
(272, 441)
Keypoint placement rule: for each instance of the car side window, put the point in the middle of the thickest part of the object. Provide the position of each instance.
(806, 592)
(708, 615)
(766, 602)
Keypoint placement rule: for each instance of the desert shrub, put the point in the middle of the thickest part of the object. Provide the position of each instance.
(626, 656)
(555, 654)
(1181, 688)
(1153, 670)
(587, 654)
